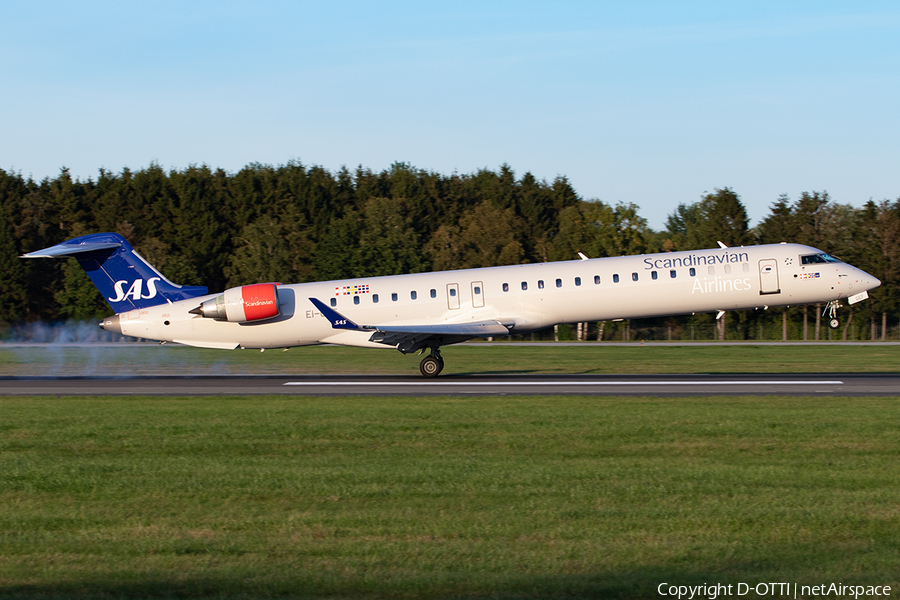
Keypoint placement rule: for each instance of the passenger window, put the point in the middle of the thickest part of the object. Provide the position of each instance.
(616, 278)
(712, 270)
(394, 297)
(745, 267)
(413, 295)
(505, 287)
(654, 275)
(434, 293)
(355, 299)
(693, 272)
(727, 269)
(333, 302)
(634, 276)
(596, 280)
(524, 286)
(375, 298)
(672, 273)
(559, 283)
(540, 284)
(577, 281)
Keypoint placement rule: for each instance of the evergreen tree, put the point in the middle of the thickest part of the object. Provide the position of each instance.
(726, 219)
(485, 238)
(338, 253)
(388, 242)
(76, 297)
(684, 227)
(269, 251)
(811, 211)
(876, 249)
(13, 293)
(719, 216)
(296, 223)
(781, 225)
(598, 230)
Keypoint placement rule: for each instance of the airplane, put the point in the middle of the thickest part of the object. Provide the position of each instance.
(425, 311)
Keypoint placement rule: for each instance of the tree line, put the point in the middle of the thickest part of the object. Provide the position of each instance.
(297, 223)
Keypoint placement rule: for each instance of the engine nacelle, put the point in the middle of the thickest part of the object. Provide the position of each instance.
(244, 304)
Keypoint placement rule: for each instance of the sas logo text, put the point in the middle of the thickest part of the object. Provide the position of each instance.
(136, 291)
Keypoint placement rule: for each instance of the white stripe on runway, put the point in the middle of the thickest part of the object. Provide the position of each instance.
(576, 383)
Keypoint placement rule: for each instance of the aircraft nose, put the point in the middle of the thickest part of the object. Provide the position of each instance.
(870, 282)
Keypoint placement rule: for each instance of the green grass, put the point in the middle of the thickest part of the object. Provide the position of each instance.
(538, 497)
(140, 359)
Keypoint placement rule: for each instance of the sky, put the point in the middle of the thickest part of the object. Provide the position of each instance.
(651, 103)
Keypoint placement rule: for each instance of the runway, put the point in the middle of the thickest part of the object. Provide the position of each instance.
(467, 385)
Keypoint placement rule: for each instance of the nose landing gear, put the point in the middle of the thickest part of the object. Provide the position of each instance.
(433, 364)
(831, 311)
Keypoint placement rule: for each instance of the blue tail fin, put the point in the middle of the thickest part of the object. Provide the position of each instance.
(125, 279)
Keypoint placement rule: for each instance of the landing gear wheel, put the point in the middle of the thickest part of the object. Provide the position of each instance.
(831, 311)
(431, 366)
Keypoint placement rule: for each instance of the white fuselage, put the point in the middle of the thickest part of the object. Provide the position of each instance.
(524, 297)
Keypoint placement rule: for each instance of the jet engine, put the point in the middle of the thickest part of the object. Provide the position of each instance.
(244, 304)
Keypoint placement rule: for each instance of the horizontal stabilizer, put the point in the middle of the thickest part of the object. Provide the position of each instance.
(68, 249)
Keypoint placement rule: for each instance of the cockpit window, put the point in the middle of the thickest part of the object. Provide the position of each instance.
(810, 259)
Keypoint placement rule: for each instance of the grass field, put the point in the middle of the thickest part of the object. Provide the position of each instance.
(514, 497)
(144, 359)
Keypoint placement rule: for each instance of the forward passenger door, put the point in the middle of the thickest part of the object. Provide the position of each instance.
(768, 277)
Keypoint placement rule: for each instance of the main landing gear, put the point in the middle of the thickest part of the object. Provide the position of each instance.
(433, 364)
(831, 311)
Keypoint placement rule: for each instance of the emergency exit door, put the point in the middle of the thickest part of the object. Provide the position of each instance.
(477, 294)
(452, 296)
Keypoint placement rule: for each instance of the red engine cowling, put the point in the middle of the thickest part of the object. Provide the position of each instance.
(244, 304)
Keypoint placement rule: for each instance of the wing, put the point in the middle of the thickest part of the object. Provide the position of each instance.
(409, 338)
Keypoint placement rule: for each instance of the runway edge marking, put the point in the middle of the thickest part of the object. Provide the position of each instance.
(545, 383)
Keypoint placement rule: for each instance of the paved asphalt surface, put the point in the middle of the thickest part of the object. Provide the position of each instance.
(596, 385)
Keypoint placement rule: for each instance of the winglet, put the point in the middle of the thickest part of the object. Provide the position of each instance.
(338, 321)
